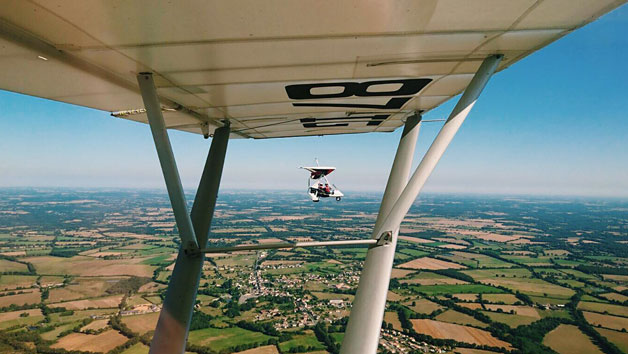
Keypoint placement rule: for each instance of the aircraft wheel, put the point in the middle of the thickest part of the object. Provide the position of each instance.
(338, 198)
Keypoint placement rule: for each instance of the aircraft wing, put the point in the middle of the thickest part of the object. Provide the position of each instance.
(272, 68)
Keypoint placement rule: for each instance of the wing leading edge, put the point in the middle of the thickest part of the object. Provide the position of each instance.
(276, 68)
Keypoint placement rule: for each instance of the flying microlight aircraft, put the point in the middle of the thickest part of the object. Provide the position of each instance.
(272, 69)
(318, 185)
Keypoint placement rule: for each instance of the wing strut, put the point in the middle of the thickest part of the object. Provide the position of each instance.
(363, 329)
(174, 320)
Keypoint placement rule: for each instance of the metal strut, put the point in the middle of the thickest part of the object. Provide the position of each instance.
(363, 329)
(167, 161)
(174, 320)
(281, 245)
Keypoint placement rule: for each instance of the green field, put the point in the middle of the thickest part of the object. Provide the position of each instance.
(456, 289)
(509, 319)
(307, 342)
(137, 348)
(224, 338)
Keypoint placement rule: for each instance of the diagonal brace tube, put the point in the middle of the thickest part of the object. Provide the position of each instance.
(362, 334)
(283, 245)
(167, 161)
(442, 140)
(174, 319)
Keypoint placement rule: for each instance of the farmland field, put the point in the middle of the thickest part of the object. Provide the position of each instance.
(567, 339)
(510, 319)
(602, 308)
(452, 316)
(620, 339)
(220, 339)
(606, 321)
(430, 263)
(100, 343)
(99, 262)
(307, 341)
(465, 334)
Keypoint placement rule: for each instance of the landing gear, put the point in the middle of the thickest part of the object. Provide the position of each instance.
(338, 198)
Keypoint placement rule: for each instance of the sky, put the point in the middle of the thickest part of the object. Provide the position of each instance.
(554, 123)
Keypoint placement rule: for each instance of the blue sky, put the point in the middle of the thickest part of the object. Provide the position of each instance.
(553, 124)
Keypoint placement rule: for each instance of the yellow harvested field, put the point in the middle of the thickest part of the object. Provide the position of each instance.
(619, 278)
(601, 307)
(443, 330)
(8, 316)
(487, 236)
(615, 296)
(9, 266)
(141, 323)
(423, 306)
(606, 321)
(267, 349)
(99, 343)
(269, 240)
(568, 339)
(470, 305)
(496, 238)
(62, 294)
(11, 282)
(392, 318)
(415, 239)
(14, 253)
(519, 310)
(393, 296)
(95, 325)
(90, 266)
(32, 296)
(620, 339)
(452, 246)
(400, 273)
(105, 302)
(530, 286)
(131, 235)
(430, 264)
(505, 298)
(453, 316)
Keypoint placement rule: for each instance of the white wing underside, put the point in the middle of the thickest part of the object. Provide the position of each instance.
(272, 68)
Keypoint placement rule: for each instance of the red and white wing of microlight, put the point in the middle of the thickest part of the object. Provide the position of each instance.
(318, 172)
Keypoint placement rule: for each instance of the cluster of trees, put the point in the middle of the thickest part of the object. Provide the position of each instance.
(592, 269)
(117, 324)
(452, 273)
(320, 330)
(66, 252)
(127, 286)
(200, 320)
(263, 327)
